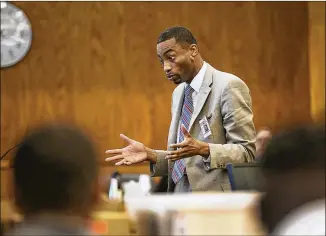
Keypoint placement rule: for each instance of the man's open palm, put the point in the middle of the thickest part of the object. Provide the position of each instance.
(133, 153)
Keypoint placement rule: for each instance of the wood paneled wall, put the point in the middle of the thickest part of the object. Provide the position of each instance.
(94, 64)
(317, 59)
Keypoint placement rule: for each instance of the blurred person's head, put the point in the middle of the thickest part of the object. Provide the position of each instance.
(178, 53)
(262, 138)
(55, 171)
(293, 164)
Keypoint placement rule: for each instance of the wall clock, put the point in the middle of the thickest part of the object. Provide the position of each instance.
(16, 34)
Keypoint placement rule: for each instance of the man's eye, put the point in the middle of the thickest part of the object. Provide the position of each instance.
(171, 58)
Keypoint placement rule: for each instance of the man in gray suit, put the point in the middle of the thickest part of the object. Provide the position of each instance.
(55, 182)
(212, 121)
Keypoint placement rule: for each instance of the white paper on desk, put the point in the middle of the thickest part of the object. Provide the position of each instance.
(145, 183)
(137, 189)
(133, 189)
(113, 191)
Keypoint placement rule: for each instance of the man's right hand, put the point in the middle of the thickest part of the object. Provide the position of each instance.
(134, 153)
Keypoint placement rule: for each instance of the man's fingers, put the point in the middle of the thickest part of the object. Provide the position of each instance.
(176, 152)
(178, 145)
(172, 157)
(114, 158)
(128, 140)
(114, 151)
(122, 162)
(119, 151)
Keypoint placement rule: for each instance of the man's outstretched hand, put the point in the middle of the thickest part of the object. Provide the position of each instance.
(135, 152)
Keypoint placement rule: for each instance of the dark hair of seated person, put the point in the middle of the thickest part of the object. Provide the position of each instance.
(293, 164)
(55, 170)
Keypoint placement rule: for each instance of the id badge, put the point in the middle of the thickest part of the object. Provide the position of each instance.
(204, 126)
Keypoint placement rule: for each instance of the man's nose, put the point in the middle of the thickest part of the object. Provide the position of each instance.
(167, 67)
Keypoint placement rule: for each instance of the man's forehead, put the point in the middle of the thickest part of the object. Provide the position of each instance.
(165, 46)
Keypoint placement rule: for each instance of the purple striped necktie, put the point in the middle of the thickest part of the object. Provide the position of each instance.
(187, 110)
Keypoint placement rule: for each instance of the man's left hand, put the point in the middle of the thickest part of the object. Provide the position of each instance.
(188, 147)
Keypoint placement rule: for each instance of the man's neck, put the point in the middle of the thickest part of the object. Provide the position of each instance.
(198, 65)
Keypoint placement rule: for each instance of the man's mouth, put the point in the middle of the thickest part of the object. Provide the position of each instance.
(171, 77)
(174, 78)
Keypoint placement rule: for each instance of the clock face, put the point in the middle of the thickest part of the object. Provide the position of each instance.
(16, 34)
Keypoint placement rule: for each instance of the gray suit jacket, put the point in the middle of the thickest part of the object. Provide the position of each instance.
(225, 100)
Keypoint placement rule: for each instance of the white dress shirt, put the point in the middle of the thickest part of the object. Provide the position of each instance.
(196, 84)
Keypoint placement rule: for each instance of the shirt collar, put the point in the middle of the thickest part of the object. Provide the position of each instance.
(199, 78)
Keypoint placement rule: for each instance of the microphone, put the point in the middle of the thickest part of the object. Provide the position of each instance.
(9, 151)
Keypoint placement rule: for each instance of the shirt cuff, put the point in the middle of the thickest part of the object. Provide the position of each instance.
(207, 162)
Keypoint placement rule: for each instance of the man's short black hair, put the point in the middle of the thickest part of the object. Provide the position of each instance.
(55, 169)
(298, 148)
(180, 34)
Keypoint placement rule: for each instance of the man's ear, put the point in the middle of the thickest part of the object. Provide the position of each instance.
(193, 51)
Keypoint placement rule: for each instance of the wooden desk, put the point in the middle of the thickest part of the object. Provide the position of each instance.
(197, 214)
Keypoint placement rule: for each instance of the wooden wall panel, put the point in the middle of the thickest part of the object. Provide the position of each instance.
(317, 59)
(94, 64)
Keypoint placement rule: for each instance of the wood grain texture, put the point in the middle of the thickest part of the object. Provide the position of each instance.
(94, 64)
(317, 59)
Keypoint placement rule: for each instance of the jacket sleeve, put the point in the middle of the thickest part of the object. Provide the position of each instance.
(160, 168)
(236, 111)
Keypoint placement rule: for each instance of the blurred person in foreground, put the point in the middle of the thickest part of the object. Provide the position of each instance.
(263, 136)
(212, 121)
(55, 181)
(294, 167)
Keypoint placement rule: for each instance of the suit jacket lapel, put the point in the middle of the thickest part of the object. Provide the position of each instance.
(204, 91)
